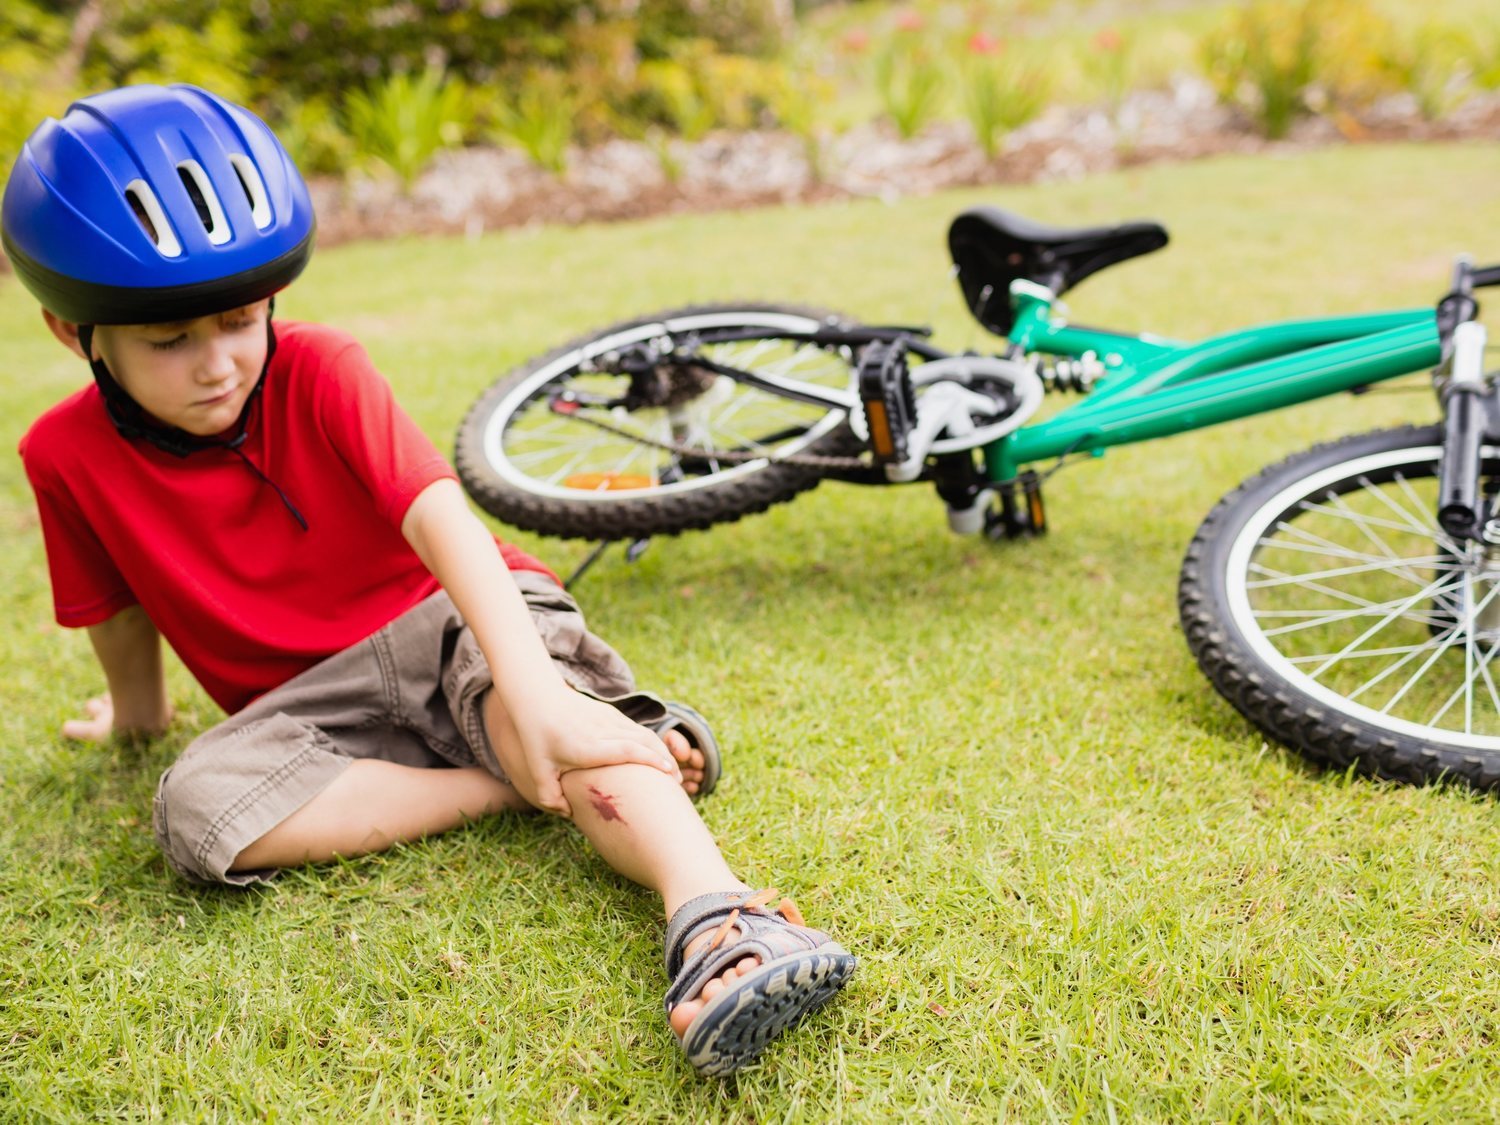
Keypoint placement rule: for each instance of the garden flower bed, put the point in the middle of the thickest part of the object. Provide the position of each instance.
(470, 190)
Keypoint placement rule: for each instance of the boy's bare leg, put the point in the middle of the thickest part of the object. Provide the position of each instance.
(373, 805)
(644, 826)
(639, 818)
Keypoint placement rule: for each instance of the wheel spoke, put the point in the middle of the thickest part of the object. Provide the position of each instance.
(1369, 653)
(1317, 540)
(1316, 546)
(1431, 660)
(1379, 625)
(1435, 562)
(1442, 641)
(1363, 521)
(1465, 689)
(1430, 526)
(1415, 517)
(1396, 607)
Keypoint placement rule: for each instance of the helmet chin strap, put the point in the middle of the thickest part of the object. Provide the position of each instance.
(133, 423)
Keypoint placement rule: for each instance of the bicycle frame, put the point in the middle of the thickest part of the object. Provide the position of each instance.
(1155, 387)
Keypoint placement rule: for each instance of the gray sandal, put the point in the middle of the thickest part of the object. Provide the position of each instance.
(800, 969)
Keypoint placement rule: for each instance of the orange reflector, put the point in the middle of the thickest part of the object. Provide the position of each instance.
(880, 429)
(608, 482)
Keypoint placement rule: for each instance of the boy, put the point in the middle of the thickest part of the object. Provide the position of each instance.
(253, 494)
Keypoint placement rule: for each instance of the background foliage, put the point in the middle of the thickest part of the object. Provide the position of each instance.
(388, 85)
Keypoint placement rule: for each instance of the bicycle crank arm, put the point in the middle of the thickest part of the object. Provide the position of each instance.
(945, 408)
(799, 392)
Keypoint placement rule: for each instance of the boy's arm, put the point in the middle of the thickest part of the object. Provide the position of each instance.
(129, 650)
(560, 729)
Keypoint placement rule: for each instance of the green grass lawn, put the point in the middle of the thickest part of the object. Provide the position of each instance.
(1079, 885)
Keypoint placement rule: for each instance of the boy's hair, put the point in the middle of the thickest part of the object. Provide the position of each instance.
(151, 203)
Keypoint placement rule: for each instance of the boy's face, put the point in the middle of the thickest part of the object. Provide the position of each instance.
(192, 374)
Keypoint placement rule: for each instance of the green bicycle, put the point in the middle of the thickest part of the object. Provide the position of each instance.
(1346, 600)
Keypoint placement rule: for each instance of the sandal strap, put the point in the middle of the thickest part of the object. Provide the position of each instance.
(699, 734)
(742, 910)
(771, 946)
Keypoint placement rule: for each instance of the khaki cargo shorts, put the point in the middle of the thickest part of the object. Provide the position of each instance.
(410, 693)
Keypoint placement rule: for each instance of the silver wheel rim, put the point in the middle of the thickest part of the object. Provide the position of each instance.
(1421, 662)
(537, 459)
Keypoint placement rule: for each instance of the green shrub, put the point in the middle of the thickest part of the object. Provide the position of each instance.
(909, 84)
(737, 27)
(34, 85)
(1484, 56)
(403, 121)
(214, 54)
(1431, 65)
(1001, 91)
(1265, 59)
(539, 119)
(670, 92)
(1111, 57)
(699, 89)
(1279, 59)
(796, 105)
(312, 135)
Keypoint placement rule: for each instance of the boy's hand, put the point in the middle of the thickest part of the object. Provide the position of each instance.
(574, 732)
(98, 726)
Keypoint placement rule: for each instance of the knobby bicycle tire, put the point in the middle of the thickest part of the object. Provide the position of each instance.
(1322, 600)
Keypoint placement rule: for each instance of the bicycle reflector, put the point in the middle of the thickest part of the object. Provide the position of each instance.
(608, 482)
(889, 399)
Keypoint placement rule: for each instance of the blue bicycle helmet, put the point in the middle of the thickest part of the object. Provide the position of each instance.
(151, 203)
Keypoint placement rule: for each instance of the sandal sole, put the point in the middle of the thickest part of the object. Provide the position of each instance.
(738, 1024)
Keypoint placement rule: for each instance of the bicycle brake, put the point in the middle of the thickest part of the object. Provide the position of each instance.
(889, 399)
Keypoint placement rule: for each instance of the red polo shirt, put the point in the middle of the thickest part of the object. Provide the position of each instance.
(245, 596)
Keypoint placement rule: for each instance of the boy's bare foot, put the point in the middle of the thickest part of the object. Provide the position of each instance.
(682, 1016)
(689, 760)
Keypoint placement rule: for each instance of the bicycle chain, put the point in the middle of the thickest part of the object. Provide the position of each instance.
(733, 457)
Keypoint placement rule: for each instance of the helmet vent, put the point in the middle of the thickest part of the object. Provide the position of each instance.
(148, 212)
(205, 201)
(255, 189)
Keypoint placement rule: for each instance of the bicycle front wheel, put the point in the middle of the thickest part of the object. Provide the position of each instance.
(1325, 603)
(581, 443)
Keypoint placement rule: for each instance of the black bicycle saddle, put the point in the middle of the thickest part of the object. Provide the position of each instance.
(992, 248)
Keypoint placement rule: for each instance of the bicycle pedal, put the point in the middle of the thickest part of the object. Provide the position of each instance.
(1019, 512)
(890, 400)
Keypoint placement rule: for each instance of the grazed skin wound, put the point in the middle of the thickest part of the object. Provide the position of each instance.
(604, 805)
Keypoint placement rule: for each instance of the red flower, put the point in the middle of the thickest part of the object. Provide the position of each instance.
(908, 19)
(856, 40)
(1109, 40)
(983, 43)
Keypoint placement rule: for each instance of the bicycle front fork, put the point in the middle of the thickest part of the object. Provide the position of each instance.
(1471, 415)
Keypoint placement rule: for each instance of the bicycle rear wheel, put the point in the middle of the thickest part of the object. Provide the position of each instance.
(1325, 603)
(568, 445)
